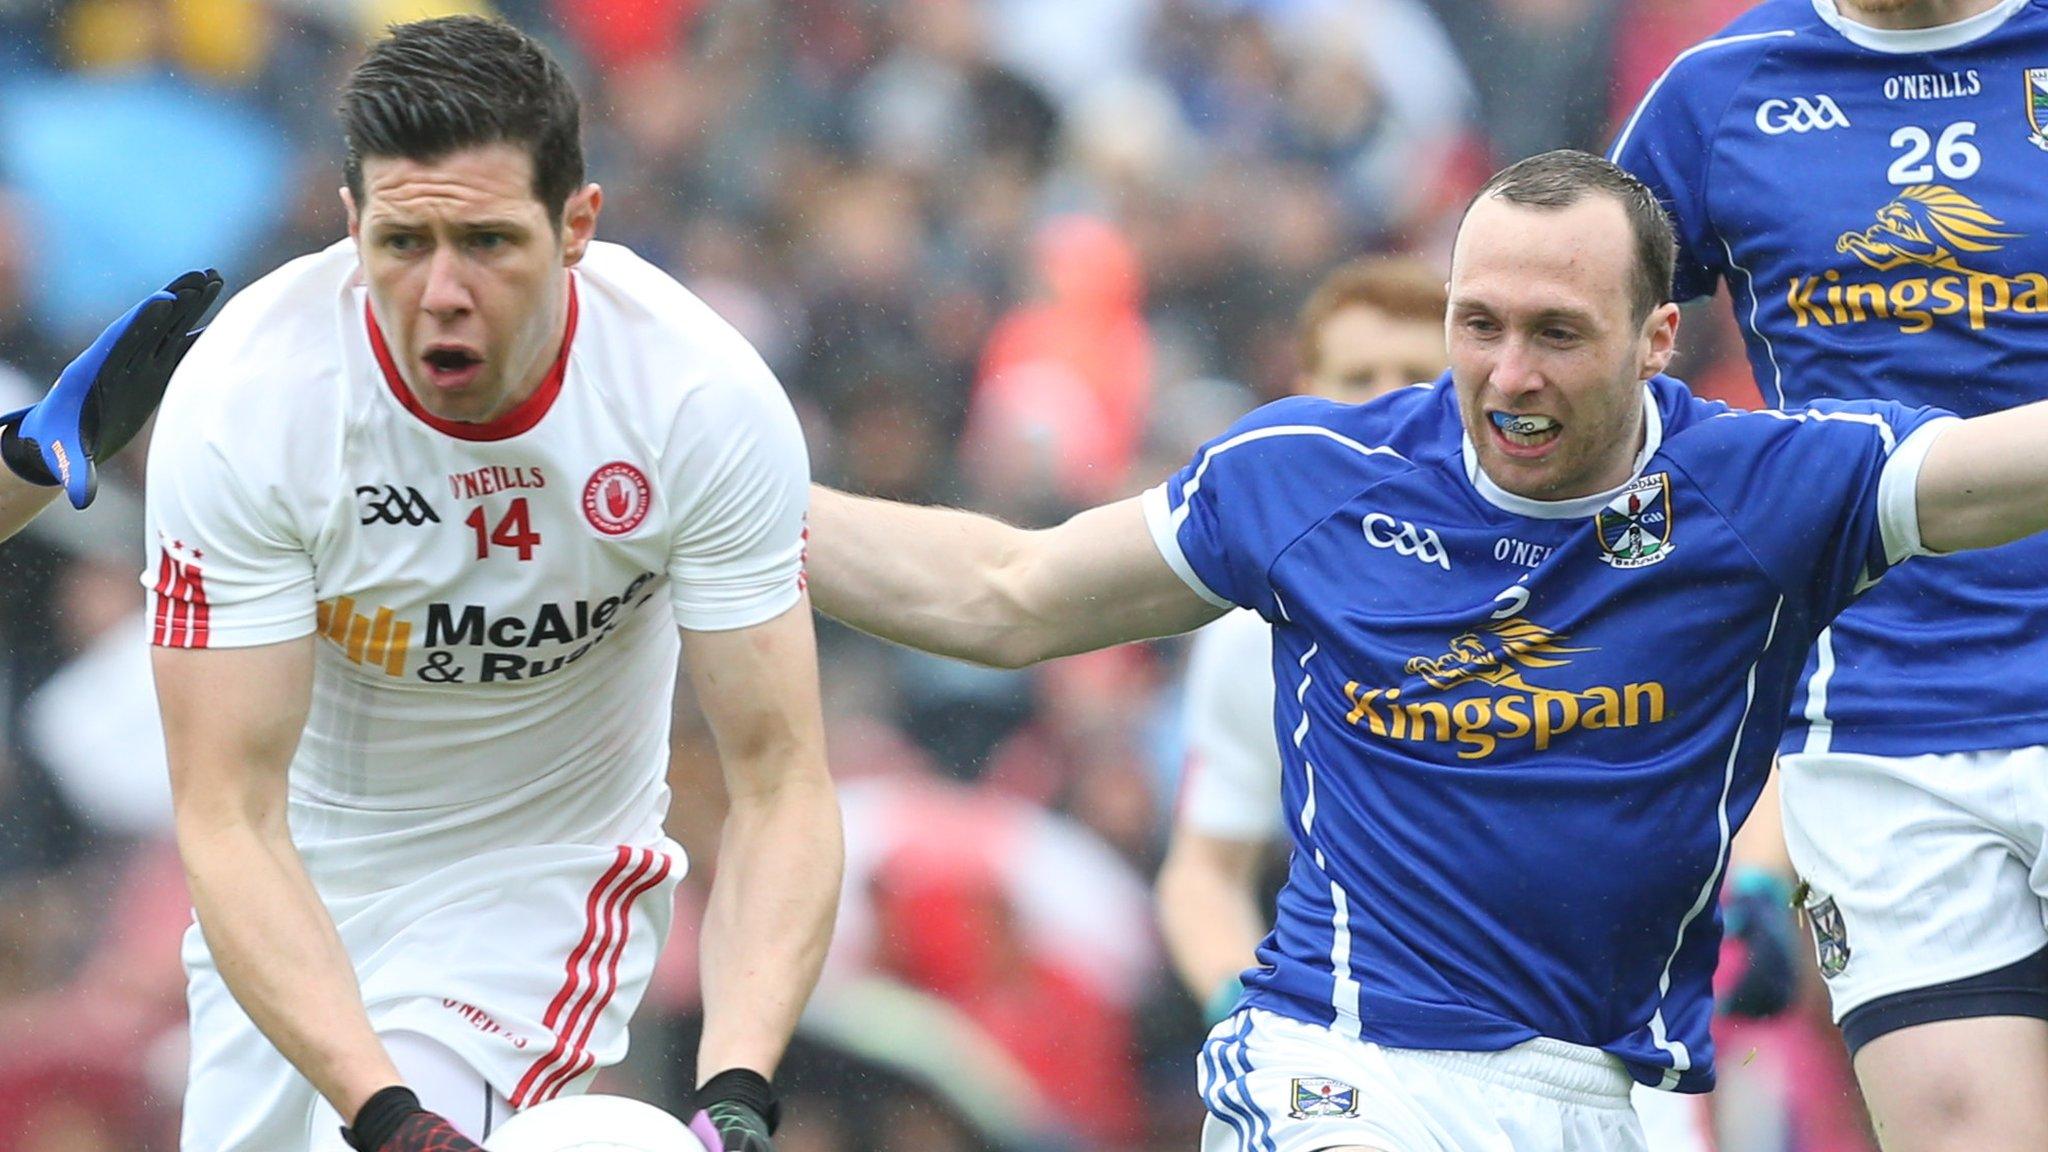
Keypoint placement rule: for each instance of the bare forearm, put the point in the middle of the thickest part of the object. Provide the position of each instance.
(1209, 919)
(929, 578)
(1985, 481)
(276, 947)
(977, 589)
(20, 501)
(769, 921)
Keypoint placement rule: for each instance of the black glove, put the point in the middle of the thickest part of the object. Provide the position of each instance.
(738, 1109)
(393, 1121)
(102, 398)
(1759, 915)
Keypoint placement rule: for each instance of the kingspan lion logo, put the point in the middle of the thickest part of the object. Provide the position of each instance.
(1522, 644)
(1931, 225)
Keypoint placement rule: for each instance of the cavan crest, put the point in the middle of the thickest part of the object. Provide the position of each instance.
(1317, 1096)
(2037, 106)
(1830, 937)
(1634, 530)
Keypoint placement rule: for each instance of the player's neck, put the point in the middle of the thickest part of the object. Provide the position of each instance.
(1918, 14)
(545, 360)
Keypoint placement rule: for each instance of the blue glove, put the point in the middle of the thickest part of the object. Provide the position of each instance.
(103, 398)
(1759, 914)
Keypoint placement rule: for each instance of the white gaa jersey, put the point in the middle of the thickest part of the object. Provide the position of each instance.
(495, 605)
(1230, 787)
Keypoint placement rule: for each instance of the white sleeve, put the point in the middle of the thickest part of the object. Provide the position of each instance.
(226, 567)
(738, 464)
(1898, 491)
(1232, 784)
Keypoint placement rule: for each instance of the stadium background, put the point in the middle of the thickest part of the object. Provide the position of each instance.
(1020, 255)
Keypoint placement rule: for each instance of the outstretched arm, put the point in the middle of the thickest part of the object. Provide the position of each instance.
(99, 402)
(20, 501)
(1985, 481)
(969, 586)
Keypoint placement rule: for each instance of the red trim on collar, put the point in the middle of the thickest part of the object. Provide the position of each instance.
(523, 415)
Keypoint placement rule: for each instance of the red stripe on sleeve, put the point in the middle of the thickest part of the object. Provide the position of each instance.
(200, 609)
(160, 636)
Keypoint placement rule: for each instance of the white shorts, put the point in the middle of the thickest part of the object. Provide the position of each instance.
(525, 962)
(1278, 1085)
(1920, 869)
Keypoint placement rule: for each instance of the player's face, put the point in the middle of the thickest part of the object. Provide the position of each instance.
(467, 274)
(1541, 341)
(1362, 352)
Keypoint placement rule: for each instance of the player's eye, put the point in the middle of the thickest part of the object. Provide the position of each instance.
(403, 242)
(1561, 336)
(488, 241)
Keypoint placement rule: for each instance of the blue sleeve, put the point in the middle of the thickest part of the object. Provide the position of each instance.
(1825, 496)
(1222, 520)
(1666, 144)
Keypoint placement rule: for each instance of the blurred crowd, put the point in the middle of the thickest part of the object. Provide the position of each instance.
(1019, 255)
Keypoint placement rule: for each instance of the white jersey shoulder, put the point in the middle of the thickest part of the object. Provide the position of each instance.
(1232, 783)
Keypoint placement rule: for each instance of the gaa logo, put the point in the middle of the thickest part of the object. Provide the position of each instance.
(616, 499)
(1383, 531)
(392, 504)
(1776, 117)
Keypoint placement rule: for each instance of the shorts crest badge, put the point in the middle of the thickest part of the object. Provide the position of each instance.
(1317, 1096)
(1634, 530)
(1830, 937)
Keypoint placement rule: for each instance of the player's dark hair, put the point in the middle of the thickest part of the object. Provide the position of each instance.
(1562, 178)
(438, 86)
(1399, 286)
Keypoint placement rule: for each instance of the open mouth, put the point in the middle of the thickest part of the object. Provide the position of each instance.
(1525, 430)
(451, 367)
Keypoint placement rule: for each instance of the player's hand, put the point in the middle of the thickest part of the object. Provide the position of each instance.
(736, 1112)
(1759, 916)
(102, 398)
(393, 1121)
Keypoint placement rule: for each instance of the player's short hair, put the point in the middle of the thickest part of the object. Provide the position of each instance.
(434, 87)
(1564, 177)
(1400, 286)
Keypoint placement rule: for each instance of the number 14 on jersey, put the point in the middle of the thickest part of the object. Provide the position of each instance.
(514, 530)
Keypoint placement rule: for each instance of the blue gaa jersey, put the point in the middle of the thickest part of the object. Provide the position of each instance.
(1874, 202)
(1517, 735)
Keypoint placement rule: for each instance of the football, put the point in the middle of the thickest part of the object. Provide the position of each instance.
(594, 1123)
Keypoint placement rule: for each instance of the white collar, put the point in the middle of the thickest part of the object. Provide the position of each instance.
(1903, 40)
(1506, 501)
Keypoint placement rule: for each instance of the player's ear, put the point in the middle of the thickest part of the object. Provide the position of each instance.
(1659, 339)
(579, 222)
(355, 219)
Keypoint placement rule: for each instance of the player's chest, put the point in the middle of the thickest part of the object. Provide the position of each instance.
(1404, 585)
(530, 545)
(1461, 642)
(1922, 168)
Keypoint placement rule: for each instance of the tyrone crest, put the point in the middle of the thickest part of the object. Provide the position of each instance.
(616, 498)
(1634, 530)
